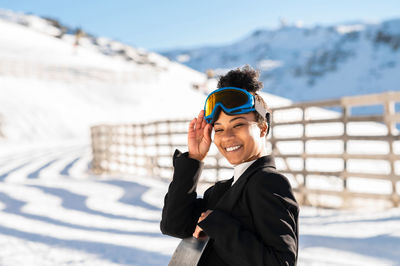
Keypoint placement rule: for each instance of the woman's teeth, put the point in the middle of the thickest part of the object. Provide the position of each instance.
(232, 148)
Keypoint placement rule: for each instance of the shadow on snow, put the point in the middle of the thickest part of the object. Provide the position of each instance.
(132, 193)
(382, 246)
(110, 252)
(76, 202)
(14, 206)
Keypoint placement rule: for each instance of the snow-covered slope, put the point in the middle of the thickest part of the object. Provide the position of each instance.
(311, 63)
(51, 89)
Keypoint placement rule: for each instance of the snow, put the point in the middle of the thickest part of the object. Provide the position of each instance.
(344, 29)
(80, 219)
(57, 213)
(266, 65)
(53, 211)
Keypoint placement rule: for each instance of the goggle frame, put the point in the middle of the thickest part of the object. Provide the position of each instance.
(242, 109)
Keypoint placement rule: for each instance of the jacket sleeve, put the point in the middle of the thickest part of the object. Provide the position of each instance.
(181, 206)
(274, 213)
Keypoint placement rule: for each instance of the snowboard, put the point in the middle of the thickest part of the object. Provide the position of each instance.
(188, 252)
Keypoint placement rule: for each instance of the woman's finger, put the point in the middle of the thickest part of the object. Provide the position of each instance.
(192, 124)
(207, 132)
(203, 123)
(199, 120)
(196, 232)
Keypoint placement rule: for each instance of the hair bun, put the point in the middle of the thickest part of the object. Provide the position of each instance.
(245, 78)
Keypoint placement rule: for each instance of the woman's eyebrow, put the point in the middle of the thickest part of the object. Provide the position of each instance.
(233, 119)
(239, 117)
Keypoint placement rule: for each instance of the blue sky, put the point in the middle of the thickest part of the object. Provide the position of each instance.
(160, 25)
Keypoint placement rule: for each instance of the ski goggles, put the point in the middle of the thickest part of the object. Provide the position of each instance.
(233, 101)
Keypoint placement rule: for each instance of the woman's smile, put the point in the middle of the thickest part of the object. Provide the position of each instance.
(233, 148)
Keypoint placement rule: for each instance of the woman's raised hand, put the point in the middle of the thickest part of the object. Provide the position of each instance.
(199, 137)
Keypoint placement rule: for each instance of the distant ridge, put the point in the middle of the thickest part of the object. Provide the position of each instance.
(311, 63)
(55, 28)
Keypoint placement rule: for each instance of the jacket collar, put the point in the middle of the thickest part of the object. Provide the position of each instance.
(228, 201)
(265, 161)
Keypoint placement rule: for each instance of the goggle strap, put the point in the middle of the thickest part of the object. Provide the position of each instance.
(263, 112)
(260, 108)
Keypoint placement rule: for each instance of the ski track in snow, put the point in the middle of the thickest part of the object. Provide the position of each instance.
(54, 212)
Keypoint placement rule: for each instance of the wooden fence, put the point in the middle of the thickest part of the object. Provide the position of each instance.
(328, 151)
(147, 149)
(375, 135)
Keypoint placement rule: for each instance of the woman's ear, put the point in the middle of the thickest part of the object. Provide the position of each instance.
(264, 129)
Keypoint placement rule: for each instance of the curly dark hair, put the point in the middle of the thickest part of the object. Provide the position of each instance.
(244, 78)
(247, 78)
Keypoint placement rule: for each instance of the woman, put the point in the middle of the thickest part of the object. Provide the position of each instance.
(252, 218)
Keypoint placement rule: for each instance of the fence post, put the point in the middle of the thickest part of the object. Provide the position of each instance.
(169, 137)
(109, 153)
(345, 115)
(271, 132)
(127, 143)
(156, 169)
(389, 111)
(132, 136)
(304, 188)
(146, 157)
(94, 131)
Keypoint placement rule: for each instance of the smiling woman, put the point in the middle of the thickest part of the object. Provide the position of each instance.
(252, 218)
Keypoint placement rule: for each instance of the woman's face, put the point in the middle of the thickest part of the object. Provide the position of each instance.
(238, 137)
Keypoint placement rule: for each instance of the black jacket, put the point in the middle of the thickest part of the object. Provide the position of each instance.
(254, 222)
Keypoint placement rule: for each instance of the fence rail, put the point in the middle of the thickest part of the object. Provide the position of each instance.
(324, 147)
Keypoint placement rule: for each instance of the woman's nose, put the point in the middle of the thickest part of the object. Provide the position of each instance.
(228, 134)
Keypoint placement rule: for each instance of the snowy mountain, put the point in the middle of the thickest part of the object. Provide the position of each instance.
(311, 63)
(51, 89)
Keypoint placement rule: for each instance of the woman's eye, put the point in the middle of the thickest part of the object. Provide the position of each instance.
(217, 130)
(238, 125)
